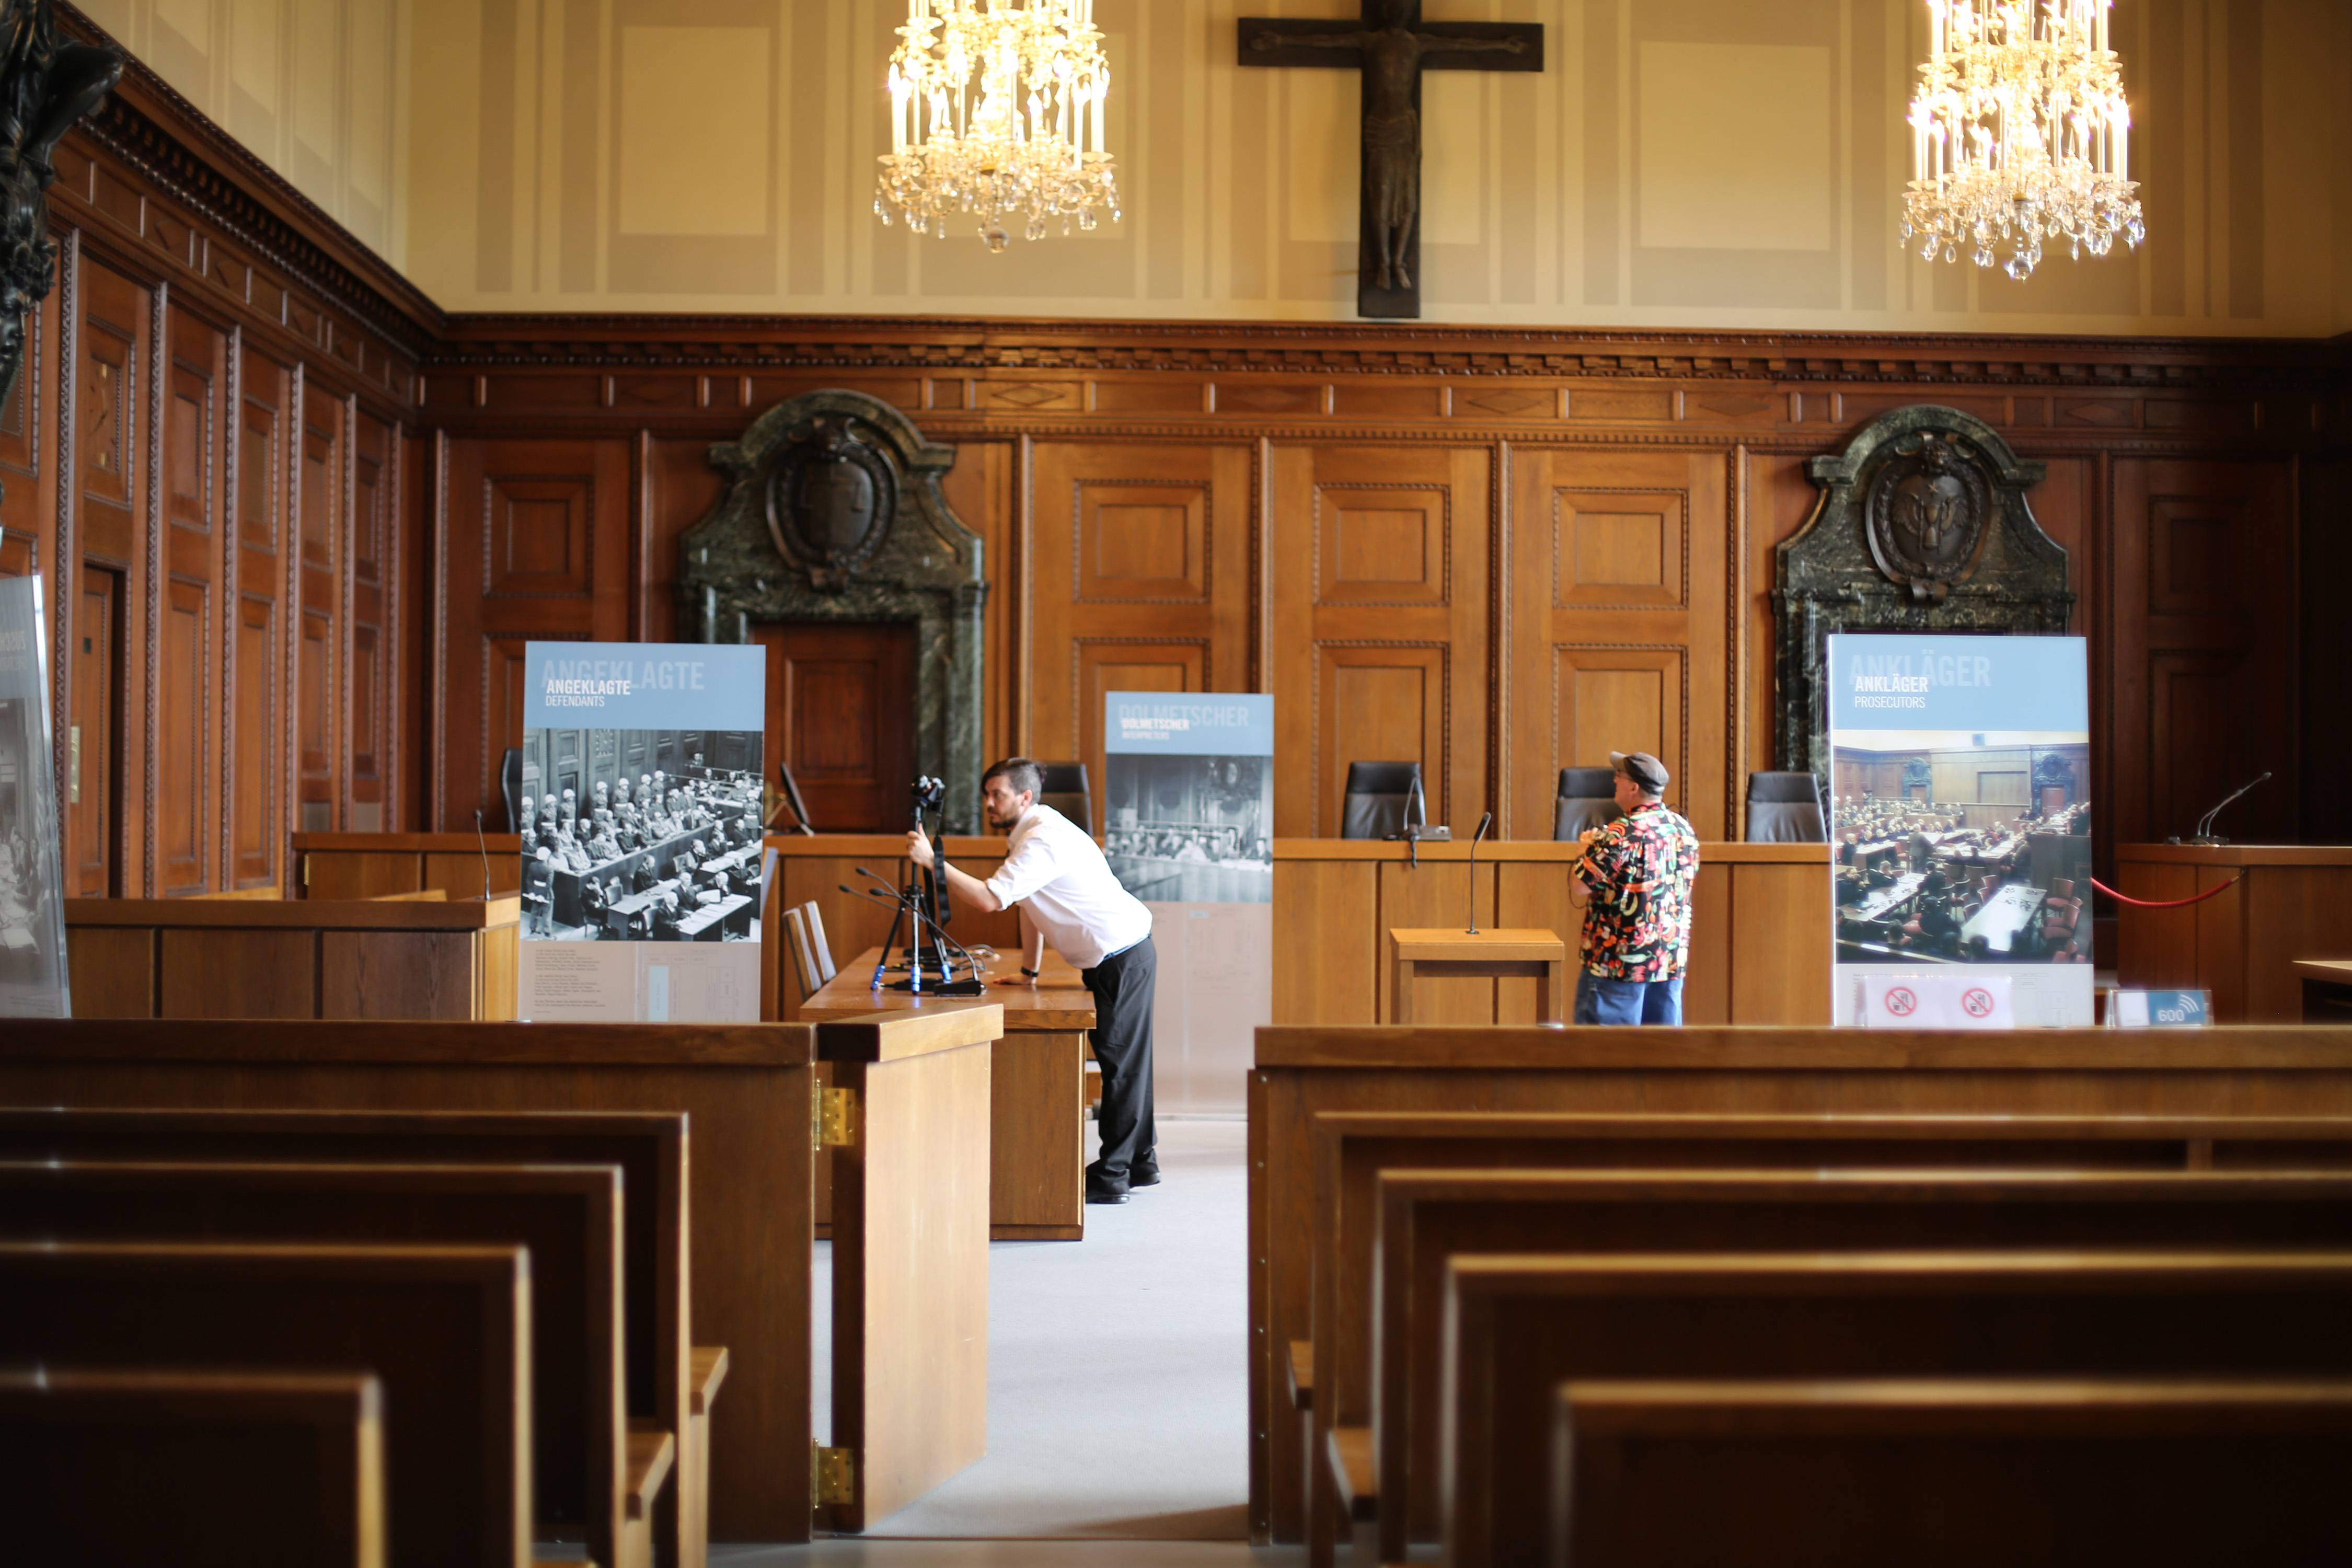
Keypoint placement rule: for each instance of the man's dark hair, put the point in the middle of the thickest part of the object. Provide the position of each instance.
(1025, 776)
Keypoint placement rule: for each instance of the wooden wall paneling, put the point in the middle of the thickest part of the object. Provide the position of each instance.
(1378, 561)
(323, 651)
(27, 434)
(1780, 930)
(259, 650)
(1620, 624)
(112, 972)
(980, 490)
(1326, 946)
(372, 546)
(676, 489)
(2205, 689)
(1708, 984)
(237, 974)
(534, 547)
(420, 658)
(113, 476)
(1139, 582)
(193, 630)
(2326, 650)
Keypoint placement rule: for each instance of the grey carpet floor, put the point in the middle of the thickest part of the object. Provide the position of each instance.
(1117, 1385)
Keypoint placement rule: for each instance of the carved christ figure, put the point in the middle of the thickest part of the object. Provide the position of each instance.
(1392, 54)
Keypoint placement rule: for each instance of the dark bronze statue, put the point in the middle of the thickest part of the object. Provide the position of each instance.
(46, 83)
(1392, 48)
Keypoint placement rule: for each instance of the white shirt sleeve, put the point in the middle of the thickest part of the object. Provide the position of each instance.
(1029, 868)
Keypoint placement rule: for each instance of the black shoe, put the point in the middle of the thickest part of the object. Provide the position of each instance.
(1143, 1173)
(1105, 1192)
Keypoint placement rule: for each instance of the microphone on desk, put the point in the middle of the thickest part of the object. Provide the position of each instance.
(483, 845)
(2204, 834)
(1483, 823)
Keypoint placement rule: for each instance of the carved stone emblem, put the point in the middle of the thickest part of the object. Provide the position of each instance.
(831, 500)
(1926, 515)
(1917, 775)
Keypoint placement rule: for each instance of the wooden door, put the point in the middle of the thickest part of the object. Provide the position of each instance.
(94, 795)
(841, 714)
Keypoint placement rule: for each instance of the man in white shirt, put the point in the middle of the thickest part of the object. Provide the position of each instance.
(1068, 896)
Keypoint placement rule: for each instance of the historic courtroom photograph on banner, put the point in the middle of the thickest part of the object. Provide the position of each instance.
(1188, 802)
(32, 917)
(1968, 844)
(641, 845)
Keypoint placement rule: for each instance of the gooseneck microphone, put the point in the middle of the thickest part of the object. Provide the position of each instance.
(2204, 834)
(483, 845)
(1483, 823)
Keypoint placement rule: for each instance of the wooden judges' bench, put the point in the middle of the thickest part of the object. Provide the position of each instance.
(2292, 902)
(1759, 945)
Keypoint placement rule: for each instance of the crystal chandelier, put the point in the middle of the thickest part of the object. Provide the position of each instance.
(997, 109)
(2019, 133)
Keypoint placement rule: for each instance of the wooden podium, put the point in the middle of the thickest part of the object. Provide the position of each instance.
(1457, 955)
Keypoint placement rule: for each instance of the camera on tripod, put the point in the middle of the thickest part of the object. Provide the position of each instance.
(928, 794)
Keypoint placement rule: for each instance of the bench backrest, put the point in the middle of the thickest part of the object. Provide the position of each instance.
(650, 1148)
(1299, 1070)
(1430, 1220)
(1935, 1474)
(198, 1469)
(446, 1331)
(568, 1217)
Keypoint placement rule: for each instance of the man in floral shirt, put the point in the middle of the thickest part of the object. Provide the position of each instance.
(1635, 880)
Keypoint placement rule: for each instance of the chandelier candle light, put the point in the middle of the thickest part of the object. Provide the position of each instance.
(2019, 133)
(997, 111)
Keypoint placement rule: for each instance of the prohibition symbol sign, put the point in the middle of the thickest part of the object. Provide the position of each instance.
(1976, 1002)
(1902, 1004)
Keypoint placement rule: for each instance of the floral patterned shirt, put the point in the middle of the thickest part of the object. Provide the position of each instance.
(1639, 869)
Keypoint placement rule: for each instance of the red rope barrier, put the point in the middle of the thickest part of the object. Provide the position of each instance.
(2167, 904)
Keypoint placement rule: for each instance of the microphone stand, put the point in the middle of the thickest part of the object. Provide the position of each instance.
(2204, 834)
(483, 845)
(1483, 823)
(1416, 808)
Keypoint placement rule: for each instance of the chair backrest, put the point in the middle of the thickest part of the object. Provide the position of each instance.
(1587, 798)
(804, 956)
(2062, 887)
(822, 950)
(1063, 786)
(510, 786)
(1379, 797)
(1785, 808)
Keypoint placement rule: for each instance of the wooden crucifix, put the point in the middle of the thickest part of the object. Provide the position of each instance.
(1391, 46)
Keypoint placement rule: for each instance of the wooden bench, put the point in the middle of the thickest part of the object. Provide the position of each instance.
(594, 1480)
(249, 1469)
(1299, 1070)
(446, 1331)
(1433, 1222)
(2108, 1473)
(1351, 1148)
(748, 1092)
(670, 1386)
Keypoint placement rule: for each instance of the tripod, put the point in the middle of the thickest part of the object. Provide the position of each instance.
(923, 903)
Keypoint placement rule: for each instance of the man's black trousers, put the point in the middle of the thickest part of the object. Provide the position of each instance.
(1122, 986)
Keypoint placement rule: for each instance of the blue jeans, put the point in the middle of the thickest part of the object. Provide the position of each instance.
(1599, 1001)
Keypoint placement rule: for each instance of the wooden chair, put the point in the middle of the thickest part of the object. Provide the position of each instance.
(1432, 1221)
(593, 1476)
(803, 955)
(670, 1387)
(2103, 1473)
(818, 947)
(446, 1331)
(202, 1469)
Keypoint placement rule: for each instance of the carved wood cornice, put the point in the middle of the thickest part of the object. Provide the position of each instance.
(487, 341)
(148, 125)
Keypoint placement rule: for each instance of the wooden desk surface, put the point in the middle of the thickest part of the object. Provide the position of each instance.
(1420, 944)
(2335, 971)
(1057, 1004)
(2237, 854)
(306, 914)
(1514, 851)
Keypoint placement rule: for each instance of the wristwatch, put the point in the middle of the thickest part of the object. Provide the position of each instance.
(1032, 974)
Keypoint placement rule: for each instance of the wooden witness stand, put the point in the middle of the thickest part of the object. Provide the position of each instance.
(1537, 955)
(1038, 1087)
(907, 1119)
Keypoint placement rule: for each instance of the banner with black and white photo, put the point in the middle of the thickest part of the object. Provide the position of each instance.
(642, 879)
(33, 972)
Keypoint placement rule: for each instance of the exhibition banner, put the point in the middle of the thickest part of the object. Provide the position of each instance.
(642, 879)
(33, 974)
(1188, 825)
(1960, 827)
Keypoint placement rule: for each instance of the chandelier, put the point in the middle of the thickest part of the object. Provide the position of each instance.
(2019, 133)
(997, 111)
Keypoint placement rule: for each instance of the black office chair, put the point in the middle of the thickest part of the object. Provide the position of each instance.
(510, 786)
(1381, 798)
(1785, 808)
(1587, 799)
(1063, 786)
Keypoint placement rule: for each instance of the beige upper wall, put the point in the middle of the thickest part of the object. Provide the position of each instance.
(317, 89)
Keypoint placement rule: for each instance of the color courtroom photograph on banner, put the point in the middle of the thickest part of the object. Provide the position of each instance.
(1188, 797)
(1960, 817)
(641, 822)
(32, 910)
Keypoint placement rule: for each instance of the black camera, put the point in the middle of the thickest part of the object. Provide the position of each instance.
(928, 794)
